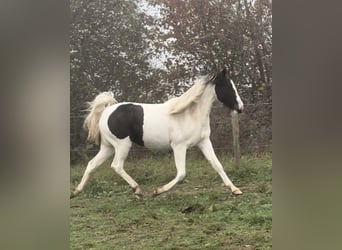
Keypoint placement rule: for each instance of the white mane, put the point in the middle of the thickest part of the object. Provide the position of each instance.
(190, 97)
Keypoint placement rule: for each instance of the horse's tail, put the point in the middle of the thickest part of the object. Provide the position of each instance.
(95, 109)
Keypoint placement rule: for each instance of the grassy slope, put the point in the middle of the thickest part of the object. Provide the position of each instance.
(107, 216)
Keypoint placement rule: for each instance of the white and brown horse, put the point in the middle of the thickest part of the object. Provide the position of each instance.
(179, 123)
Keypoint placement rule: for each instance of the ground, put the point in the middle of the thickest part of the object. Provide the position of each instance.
(198, 213)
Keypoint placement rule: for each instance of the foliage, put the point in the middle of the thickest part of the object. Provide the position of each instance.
(208, 35)
(196, 214)
(108, 50)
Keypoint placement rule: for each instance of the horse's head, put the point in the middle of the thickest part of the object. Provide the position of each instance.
(226, 91)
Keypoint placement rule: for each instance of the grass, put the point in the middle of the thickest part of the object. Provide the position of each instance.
(198, 213)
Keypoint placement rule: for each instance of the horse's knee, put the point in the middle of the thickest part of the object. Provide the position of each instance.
(117, 169)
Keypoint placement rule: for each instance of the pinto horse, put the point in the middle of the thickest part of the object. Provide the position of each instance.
(179, 123)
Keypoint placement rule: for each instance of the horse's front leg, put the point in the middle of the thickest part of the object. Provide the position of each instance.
(179, 152)
(207, 149)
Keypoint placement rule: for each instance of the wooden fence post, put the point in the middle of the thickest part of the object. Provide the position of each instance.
(236, 141)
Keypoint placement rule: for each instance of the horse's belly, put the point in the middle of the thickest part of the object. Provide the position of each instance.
(157, 138)
(156, 130)
(157, 144)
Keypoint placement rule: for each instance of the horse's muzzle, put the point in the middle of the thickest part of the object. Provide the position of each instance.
(238, 109)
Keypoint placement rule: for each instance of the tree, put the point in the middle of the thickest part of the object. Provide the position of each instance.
(211, 34)
(108, 51)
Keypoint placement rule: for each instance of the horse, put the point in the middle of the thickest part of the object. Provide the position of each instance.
(178, 124)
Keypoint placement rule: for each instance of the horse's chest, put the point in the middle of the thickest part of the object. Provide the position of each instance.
(189, 132)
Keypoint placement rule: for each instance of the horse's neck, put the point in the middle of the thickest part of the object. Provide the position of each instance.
(193, 105)
(205, 102)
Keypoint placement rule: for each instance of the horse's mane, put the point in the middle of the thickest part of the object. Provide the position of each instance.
(190, 97)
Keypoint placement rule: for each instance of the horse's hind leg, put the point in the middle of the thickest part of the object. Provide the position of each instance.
(121, 152)
(207, 149)
(104, 153)
(179, 152)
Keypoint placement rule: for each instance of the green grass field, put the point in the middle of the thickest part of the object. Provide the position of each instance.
(198, 213)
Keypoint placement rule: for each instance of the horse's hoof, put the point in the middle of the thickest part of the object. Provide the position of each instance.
(156, 192)
(237, 192)
(137, 193)
(75, 193)
(138, 196)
